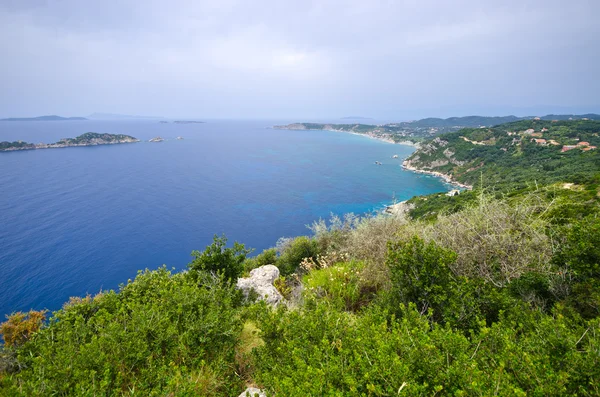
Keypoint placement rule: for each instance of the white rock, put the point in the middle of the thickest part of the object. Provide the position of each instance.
(261, 281)
(252, 392)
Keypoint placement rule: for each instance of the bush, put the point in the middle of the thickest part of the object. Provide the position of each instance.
(495, 240)
(322, 351)
(578, 259)
(267, 257)
(342, 285)
(293, 251)
(228, 262)
(160, 335)
(19, 327)
(420, 274)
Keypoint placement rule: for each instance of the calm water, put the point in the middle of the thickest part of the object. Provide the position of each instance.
(78, 220)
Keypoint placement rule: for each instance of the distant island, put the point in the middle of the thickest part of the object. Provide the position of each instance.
(182, 122)
(45, 118)
(418, 130)
(87, 139)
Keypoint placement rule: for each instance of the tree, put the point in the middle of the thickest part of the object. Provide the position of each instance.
(216, 258)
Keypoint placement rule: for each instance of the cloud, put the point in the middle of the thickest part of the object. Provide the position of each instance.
(295, 58)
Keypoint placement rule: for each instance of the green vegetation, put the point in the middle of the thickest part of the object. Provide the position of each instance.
(17, 145)
(507, 156)
(90, 138)
(492, 292)
(418, 130)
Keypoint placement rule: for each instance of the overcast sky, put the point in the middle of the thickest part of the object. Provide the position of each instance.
(299, 58)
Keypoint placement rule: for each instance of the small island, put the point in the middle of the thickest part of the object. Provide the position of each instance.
(87, 139)
(156, 139)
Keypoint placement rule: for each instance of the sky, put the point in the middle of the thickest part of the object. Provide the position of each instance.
(299, 59)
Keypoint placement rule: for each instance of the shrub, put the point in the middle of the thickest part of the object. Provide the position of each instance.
(578, 259)
(293, 251)
(228, 262)
(495, 240)
(420, 274)
(19, 327)
(160, 335)
(342, 285)
(322, 351)
(267, 257)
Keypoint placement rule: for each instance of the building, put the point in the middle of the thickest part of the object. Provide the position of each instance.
(566, 148)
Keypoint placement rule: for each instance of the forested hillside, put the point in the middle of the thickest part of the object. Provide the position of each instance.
(495, 291)
(516, 154)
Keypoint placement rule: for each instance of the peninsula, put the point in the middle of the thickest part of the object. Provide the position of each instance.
(417, 131)
(87, 139)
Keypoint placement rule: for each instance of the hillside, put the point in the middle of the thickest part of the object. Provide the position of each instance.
(515, 154)
(418, 130)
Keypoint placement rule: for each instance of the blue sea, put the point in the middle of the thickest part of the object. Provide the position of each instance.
(75, 221)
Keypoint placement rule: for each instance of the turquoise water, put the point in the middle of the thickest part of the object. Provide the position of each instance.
(75, 221)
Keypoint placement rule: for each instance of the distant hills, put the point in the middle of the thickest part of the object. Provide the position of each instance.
(44, 118)
(479, 121)
(416, 131)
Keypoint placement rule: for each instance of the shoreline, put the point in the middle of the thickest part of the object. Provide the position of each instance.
(401, 207)
(447, 178)
(61, 146)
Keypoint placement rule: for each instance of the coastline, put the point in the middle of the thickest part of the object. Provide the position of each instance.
(447, 178)
(61, 146)
(401, 207)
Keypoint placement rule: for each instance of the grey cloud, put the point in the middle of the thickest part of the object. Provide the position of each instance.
(230, 58)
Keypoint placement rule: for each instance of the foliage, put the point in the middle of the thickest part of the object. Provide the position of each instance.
(579, 259)
(19, 327)
(216, 258)
(342, 285)
(503, 162)
(160, 334)
(267, 257)
(293, 251)
(323, 351)
(420, 274)
(496, 240)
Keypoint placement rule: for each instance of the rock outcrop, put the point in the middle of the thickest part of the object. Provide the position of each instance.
(253, 392)
(261, 281)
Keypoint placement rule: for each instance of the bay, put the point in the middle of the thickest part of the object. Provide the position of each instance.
(75, 221)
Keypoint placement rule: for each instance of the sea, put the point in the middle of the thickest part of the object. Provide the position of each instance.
(77, 221)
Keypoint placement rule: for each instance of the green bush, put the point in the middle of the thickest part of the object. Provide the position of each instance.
(293, 251)
(267, 257)
(216, 258)
(578, 260)
(326, 352)
(160, 334)
(420, 274)
(343, 285)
